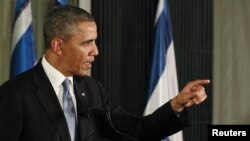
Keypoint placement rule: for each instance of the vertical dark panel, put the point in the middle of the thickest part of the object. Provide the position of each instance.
(125, 33)
(125, 30)
(137, 24)
(107, 66)
(192, 26)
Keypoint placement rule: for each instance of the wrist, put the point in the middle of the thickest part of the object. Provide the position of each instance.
(176, 107)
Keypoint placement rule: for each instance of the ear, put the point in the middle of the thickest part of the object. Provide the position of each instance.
(56, 46)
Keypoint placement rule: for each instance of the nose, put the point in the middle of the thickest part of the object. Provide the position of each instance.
(94, 51)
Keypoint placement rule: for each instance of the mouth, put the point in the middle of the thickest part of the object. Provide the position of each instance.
(89, 63)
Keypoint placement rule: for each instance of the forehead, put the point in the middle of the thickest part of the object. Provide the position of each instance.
(86, 29)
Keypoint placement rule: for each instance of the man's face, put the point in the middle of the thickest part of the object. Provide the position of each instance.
(79, 51)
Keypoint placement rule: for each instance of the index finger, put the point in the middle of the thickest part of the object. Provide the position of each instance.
(199, 82)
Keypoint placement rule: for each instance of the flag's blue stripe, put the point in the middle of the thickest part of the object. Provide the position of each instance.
(60, 2)
(23, 56)
(163, 38)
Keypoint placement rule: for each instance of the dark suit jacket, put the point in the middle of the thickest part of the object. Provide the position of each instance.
(30, 111)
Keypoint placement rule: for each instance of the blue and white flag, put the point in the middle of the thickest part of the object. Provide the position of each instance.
(60, 2)
(163, 80)
(23, 46)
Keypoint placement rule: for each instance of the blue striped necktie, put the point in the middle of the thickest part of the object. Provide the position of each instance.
(68, 109)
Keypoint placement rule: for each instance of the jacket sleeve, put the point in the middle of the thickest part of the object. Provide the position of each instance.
(160, 124)
(119, 124)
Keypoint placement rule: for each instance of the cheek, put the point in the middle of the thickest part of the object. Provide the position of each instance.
(81, 56)
(85, 52)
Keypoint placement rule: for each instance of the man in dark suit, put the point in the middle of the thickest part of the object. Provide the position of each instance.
(57, 101)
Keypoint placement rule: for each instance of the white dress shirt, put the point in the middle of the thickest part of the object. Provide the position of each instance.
(56, 78)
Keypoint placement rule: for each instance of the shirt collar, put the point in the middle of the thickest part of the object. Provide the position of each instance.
(56, 77)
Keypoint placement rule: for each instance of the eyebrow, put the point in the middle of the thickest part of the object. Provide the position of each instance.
(88, 41)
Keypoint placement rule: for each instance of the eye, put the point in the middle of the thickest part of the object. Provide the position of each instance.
(87, 43)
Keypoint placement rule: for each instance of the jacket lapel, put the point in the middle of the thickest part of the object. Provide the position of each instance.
(85, 119)
(50, 102)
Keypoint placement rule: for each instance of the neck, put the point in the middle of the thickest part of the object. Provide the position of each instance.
(54, 60)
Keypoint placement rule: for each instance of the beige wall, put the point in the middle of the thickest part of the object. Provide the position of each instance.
(231, 73)
(6, 14)
(7, 8)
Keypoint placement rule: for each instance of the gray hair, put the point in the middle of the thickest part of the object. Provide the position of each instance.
(61, 21)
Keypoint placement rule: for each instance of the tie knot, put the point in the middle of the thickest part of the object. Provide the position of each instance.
(66, 84)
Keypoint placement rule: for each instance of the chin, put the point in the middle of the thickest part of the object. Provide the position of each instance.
(85, 73)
